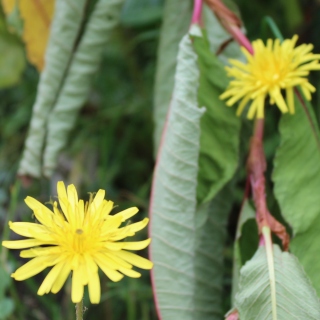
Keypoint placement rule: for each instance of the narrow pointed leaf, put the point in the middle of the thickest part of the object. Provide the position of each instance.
(295, 296)
(172, 31)
(64, 31)
(77, 84)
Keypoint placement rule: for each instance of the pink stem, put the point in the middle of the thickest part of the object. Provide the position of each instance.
(241, 38)
(197, 11)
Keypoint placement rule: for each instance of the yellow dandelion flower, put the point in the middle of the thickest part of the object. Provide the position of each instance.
(273, 67)
(80, 237)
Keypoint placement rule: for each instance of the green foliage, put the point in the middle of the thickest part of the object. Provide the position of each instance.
(6, 304)
(295, 297)
(12, 59)
(220, 127)
(297, 166)
(104, 117)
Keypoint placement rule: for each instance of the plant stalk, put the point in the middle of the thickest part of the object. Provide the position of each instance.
(79, 310)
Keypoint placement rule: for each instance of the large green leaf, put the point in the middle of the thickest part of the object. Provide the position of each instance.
(176, 20)
(297, 168)
(77, 84)
(295, 297)
(187, 243)
(173, 203)
(219, 126)
(64, 31)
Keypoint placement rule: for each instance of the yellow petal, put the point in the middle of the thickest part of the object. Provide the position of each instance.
(129, 230)
(77, 286)
(62, 277)
(31, 268)
(290, 100)
(35, 252)
(137, 245)
(128, 213)
(104, 265)
(42, 213)
(94, 288)
(49, 280)
(130, 273)
(24, 228)
(97, 201)
(134, 259)
(21, 244)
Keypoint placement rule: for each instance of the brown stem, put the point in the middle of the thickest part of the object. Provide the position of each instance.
(256, 166)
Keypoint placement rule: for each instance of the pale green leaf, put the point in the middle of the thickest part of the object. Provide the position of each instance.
(173, 203)
(297, 168)
(77, 85)
(64, 31)
(295, 297)
(176, 21)
(187, 242)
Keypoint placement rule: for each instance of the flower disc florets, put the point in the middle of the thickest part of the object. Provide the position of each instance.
(272, 68)
(80, 237)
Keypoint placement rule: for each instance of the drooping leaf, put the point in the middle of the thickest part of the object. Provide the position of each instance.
(173, 202)
(64, 31)
(220, 126)
(76, 87)
(36, 16)
(172, 31)
(247, 214)
(12, 60)
(295, 296)
(297, 168)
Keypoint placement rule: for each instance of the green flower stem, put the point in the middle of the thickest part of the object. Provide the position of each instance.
(79, 310)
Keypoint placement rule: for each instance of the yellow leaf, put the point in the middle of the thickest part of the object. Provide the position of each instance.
(36, 16)
(8, 6)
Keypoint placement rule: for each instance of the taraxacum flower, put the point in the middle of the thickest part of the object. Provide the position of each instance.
(78, 237)
(272, 68)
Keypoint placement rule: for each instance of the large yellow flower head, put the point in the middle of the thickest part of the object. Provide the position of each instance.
(79, 237)
(272, 68)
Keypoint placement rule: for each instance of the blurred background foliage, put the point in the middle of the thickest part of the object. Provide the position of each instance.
(111, 145)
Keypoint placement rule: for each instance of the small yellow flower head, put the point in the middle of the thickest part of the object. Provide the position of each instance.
(273, 67)
(80, 237)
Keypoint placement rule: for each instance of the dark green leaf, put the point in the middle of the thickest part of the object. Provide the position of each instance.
(219, 126)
